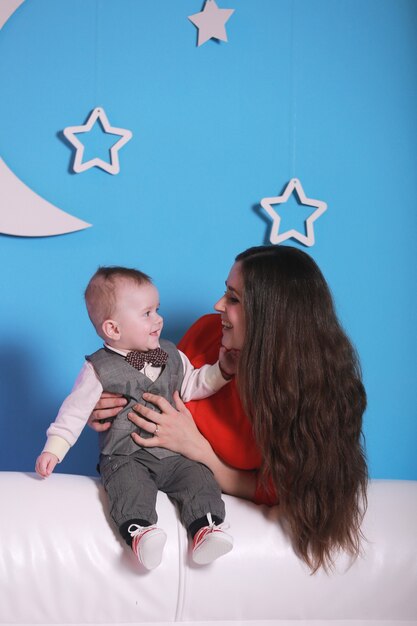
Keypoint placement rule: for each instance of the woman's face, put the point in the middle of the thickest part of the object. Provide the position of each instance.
(231, 308)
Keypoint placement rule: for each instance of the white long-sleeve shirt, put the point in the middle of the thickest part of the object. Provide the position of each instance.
(78, 406)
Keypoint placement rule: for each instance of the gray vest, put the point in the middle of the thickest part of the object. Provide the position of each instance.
(117, 376)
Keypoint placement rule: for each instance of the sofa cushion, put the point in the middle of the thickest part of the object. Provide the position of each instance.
(62, 562)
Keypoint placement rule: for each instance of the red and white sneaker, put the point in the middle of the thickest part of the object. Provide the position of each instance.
(148, 544)
(210, 542)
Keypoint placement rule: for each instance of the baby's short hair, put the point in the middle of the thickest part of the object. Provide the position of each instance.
(100, 294)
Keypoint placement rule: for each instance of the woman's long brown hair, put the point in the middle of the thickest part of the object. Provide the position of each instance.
(300, 382)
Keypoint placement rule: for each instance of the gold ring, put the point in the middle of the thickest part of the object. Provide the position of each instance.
(155, 432)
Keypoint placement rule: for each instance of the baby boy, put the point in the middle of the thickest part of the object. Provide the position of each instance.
(123, 306)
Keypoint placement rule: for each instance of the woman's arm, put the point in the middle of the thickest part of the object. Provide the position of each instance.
(178, 432)
(240, 483)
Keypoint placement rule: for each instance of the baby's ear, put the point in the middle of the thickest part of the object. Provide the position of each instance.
(111, 330)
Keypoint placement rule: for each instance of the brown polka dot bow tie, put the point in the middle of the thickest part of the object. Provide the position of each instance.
(138, 359)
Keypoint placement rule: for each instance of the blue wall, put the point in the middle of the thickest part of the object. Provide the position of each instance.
(323, 90)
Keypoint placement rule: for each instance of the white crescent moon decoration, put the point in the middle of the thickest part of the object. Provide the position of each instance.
(7, 8)
(23, 213)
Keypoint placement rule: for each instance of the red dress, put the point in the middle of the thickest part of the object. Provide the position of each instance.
(221, 418)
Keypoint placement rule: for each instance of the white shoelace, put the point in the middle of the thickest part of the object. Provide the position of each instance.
(213, 526)
(210, 528)
(135, 529)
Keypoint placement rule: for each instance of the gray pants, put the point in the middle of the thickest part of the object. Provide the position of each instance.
(132, 483)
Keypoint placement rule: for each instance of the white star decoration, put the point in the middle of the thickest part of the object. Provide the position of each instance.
(308, 238)
(211, 22)
(71, 131)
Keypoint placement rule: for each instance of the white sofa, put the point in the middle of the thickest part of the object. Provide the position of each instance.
(61, 563)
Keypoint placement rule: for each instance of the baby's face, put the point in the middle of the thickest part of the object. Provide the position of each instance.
(137, 316)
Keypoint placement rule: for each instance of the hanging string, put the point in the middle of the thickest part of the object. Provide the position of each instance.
(293, 94)
(96, 54)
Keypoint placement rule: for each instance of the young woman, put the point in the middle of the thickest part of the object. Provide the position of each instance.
(288, 429)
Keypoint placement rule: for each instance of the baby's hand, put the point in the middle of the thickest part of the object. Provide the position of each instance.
(228, 360)
(45, 464)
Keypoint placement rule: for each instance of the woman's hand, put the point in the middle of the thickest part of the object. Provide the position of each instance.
(106, 409)
(174, 428)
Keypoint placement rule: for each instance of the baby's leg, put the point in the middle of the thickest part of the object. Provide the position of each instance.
(130, 489)
(201, 508)
(132, 498)
(193, 487)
